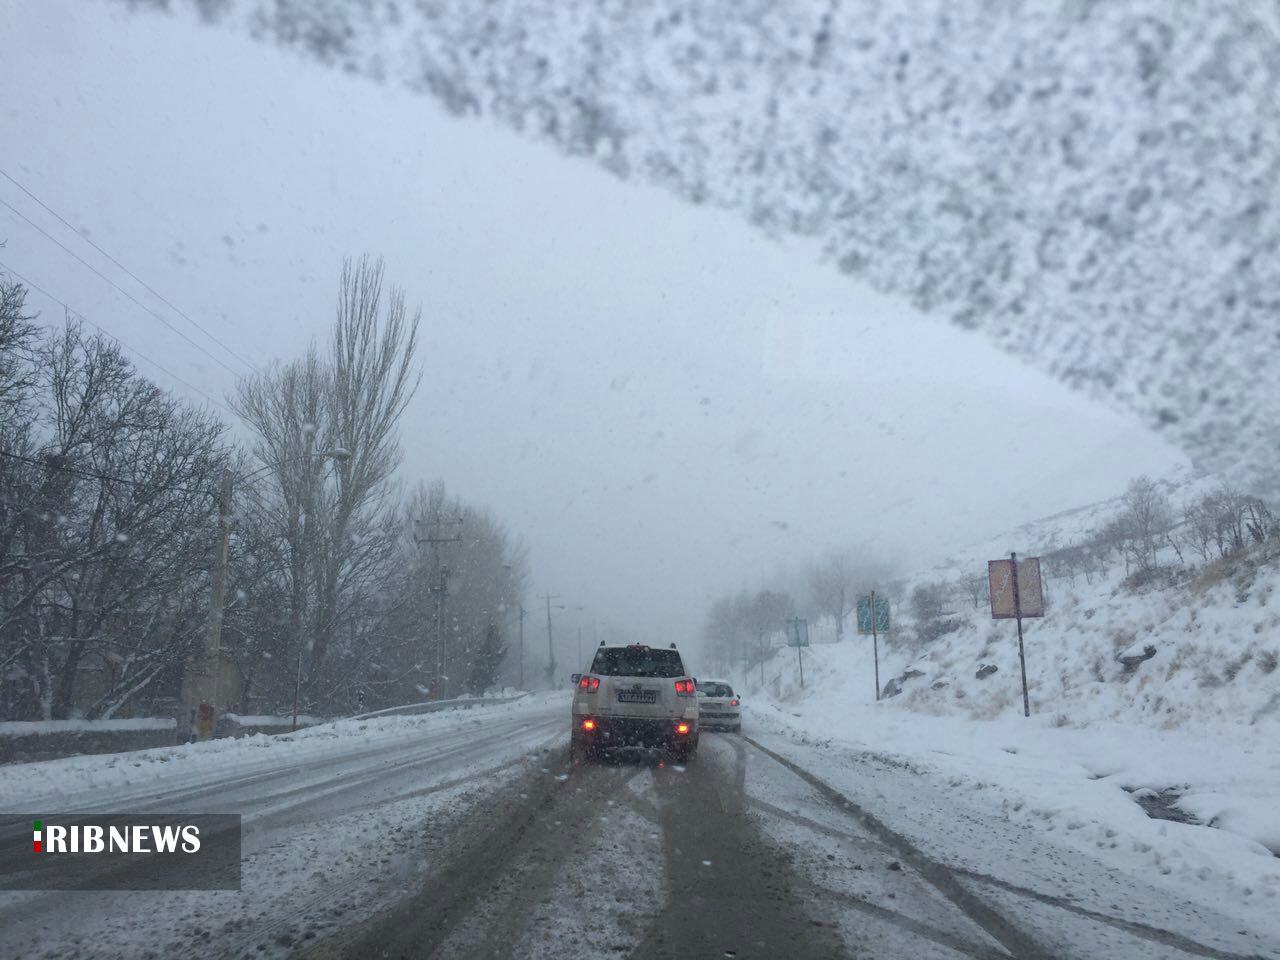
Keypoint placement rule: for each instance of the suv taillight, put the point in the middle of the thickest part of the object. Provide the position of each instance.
(589, 684)
(733, 702)
(685, 688)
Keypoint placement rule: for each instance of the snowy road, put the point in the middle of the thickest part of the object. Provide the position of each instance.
(746, 854)
(473, 836)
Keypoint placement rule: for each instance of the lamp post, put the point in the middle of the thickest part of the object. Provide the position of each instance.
(337, 455)
(551, 651)
(580, 608)
(206, 676)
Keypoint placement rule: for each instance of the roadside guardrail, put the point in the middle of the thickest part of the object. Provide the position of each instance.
(431, 706)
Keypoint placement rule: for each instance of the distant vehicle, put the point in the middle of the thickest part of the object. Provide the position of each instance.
(718, 705)
(635, 696)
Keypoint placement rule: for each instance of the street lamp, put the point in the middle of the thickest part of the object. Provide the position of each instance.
(204, 689)
(338, 455)
(580, 609)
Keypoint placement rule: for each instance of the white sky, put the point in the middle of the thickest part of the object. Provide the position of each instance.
(646, 391)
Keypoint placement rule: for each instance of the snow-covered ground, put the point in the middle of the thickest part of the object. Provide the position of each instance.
(91, 782)
(337, 820)
(1192, 731)
(1036, 820)
(1073, 784)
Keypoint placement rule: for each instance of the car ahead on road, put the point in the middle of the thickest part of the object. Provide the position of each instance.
(635, 696)
(718, 705)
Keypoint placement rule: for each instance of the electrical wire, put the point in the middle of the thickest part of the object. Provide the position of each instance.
(138, 353)
(146, 286)
(116, 286)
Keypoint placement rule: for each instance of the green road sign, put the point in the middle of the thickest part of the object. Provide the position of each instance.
(864, 615)
(797, 633)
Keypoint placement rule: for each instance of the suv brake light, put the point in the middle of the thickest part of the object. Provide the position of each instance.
(589, 684)
(685, 688)
(733, 702)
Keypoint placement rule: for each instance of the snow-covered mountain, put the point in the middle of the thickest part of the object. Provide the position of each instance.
(1089, 184)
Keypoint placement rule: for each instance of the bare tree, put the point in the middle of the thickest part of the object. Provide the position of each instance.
(977, 588)
(372, 380)
(833, 588)
(18, 336)
(1200, 527)
(102, 576)
(335, 514)
(932, 607)
(721, 630)
(1149, 518)
(488, 572)
(766, 615)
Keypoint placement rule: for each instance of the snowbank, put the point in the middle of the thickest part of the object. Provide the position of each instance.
(118, 778)
(1074, 787)
(1152, 744)
(27, 728)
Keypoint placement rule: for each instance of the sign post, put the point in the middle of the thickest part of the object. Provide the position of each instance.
(798, 637)
(875, 644)
(1016, 593)
(873, 616)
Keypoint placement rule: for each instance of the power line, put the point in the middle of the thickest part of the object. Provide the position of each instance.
(146, 286)
(112, 336)
(116, 286)
(94, 475)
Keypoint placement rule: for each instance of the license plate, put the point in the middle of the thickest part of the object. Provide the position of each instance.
(637, 696)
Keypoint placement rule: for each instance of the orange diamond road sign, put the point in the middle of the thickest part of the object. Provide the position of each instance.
(1030, 595)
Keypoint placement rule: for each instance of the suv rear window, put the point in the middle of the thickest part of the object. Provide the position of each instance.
(637, 662)
(716, 689)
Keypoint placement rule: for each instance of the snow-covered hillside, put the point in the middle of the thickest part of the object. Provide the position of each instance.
(1196, 645)
(1087, 183)
(1150, 704)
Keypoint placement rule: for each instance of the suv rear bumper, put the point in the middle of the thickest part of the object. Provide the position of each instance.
(612, 732)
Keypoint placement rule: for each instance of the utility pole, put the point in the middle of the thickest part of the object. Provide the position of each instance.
(213, 642)
(522, 612)
(551, 652)
(434, 539)
(214, 645)
(442, 664)
(875, 643)
(309, 440)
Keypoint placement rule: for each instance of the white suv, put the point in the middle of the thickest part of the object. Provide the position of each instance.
(635, 696)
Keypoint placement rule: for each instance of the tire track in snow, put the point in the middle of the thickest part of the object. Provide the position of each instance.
(1013, 939)
(1157, 935)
